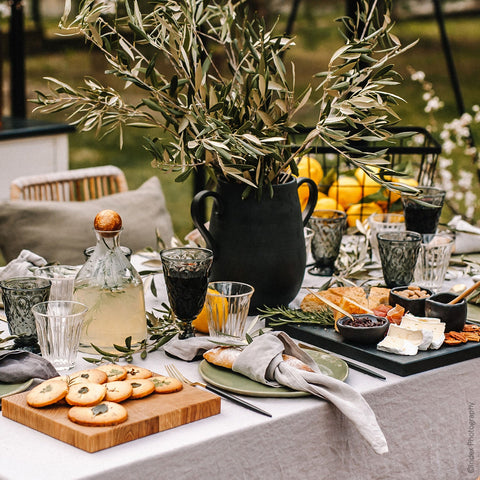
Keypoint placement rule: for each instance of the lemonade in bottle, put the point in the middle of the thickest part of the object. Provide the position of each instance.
(112, 290)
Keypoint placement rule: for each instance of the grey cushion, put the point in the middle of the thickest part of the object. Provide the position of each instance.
(60, 231)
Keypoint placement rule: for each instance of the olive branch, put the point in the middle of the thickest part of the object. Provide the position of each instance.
(217, 94)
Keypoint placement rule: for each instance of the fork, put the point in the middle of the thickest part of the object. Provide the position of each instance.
(173, 371)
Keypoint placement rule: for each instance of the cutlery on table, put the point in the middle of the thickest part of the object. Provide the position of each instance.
(353, 365)
(173, 371)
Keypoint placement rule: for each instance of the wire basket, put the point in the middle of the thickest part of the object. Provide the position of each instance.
(413, 155)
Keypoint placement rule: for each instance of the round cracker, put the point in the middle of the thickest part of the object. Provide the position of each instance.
(47, 393)
(103, 414)
(118, 391)
(166, 384)
(85, 394)
(141, 387)
(93, 375)
(114, 372)
(137, 372)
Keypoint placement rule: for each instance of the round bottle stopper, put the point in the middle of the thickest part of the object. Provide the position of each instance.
(107, 221)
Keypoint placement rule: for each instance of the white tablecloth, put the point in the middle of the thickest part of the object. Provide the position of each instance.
(431, 421)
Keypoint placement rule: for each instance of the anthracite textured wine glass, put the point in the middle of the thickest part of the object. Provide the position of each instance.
(186, 271)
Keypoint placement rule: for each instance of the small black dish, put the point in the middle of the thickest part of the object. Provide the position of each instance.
(454, 315)
(360, 333)
(414, 306)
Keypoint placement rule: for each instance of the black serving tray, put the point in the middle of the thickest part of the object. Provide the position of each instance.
(403, 365)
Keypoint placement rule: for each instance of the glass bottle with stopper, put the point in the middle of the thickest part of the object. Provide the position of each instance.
(112, 290)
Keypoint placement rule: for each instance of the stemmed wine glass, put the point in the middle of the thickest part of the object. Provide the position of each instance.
(186, 271)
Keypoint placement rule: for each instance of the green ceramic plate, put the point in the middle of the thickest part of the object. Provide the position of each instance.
(11, 388)
(473, 313)
(234, 382)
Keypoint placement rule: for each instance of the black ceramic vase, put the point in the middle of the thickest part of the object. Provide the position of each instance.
(259, 242)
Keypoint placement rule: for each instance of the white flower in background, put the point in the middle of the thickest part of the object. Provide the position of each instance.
(465, 180)
(470, 200)
(5, 10)
(448, 146)
(418, 76)
(456, 141)
(444, 162)
(433, 105)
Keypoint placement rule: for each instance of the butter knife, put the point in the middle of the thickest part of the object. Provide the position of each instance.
(353, 365)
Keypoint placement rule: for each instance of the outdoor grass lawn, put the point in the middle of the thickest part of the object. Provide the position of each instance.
(317, 40)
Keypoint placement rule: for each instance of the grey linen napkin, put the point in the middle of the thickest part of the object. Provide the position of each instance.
(262, 361)
(467, 237)
(20, 266)
(18, 366)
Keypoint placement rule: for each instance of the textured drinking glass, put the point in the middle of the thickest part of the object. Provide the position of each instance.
(186, 273)
(62, 278)
(308, 233)
(398, 255)
(227, 305)
(59, 325)
(384, 222)
(422, 213)
(19, 295)
(433, 260)
(328, 227)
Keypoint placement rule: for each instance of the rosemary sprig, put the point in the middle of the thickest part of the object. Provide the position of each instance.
(161, 329)
(282, 316)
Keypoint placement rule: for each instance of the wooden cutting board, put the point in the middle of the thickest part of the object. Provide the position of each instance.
(148, 415)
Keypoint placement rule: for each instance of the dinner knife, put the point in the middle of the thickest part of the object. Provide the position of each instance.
(353, 365)
(236, 399)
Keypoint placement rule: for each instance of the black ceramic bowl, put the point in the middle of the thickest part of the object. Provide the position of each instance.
(363, 334)
(454, 316)
(414, 306)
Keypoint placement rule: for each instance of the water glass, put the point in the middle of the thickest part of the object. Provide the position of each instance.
(59, 325)
(227, 305)
(19, 295)
(398, 255)
(384, 222)
(433, 260)
(62, 278)
(422, 213)
(328, 227)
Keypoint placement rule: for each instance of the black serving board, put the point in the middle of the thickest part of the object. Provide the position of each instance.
(403, 365)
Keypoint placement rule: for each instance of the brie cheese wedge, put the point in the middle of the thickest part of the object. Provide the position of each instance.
(433, 325)
(397, 345)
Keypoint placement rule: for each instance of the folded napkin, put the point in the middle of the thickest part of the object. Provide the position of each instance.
(20, 266)
(18, 366)
(467, 237)
(262, 361)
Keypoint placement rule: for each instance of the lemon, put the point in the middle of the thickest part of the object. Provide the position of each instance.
(201, 322)
(369, 185)
(346, 190)
(327, 203)
(361, 211)
(310, 167)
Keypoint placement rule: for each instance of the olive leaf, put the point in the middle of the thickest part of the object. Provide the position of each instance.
(99, 409)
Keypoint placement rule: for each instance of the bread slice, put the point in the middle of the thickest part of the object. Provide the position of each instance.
(378, 296)
(311, 303)
(354, 305)
(350, 292)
